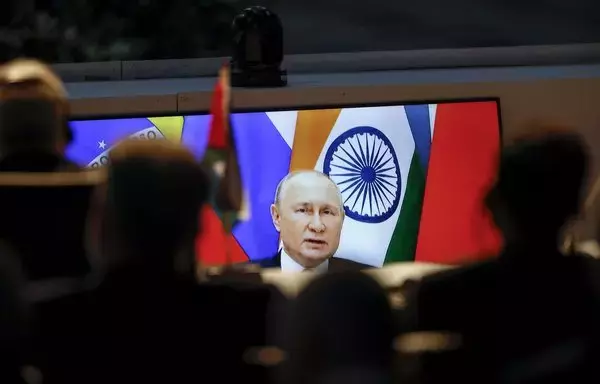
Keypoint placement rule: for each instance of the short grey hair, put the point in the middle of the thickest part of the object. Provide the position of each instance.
(293, 174)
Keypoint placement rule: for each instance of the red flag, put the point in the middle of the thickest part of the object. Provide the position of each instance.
(220, 154)
(219, 109)
(455, 226)
(216, 245)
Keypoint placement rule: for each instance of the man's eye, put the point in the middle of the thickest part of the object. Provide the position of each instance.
(301, 210)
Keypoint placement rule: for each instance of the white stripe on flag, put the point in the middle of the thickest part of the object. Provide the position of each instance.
(285, 123)
(367, 242)
(432, 111)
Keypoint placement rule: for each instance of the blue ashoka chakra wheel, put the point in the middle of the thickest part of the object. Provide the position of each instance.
(363, 163)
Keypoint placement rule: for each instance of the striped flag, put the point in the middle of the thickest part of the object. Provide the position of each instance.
(403, 243)
(263, 149)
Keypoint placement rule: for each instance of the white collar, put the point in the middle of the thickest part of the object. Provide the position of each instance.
(290, 265)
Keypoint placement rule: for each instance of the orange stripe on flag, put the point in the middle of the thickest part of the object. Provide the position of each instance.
(312, 131)
(212, 241)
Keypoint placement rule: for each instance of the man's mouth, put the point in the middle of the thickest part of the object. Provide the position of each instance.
(316, 241)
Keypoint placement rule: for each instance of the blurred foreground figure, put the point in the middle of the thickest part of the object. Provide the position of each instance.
(149, 216)
(34, 110)
(148, 320)
(141, 322)
(42, 221)
(529, 316)
(341, 331)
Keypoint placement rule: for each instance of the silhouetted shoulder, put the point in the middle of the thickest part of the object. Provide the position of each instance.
(345, 265)
(456, 289)
(269, 262)
(459, 273)
(234, 318)
(335, 264)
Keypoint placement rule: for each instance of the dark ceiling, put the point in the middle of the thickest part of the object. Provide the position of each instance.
(80, 30)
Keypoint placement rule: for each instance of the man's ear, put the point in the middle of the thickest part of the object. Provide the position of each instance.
(276, 217)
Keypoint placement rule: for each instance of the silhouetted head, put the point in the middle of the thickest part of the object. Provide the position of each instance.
(34, 108)
(153, 197)
(338, 322)
(539, 186)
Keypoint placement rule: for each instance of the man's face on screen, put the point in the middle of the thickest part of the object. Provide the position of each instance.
(309, 218)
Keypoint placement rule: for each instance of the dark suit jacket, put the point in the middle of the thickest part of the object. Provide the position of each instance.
(335, 264)
(133, 328)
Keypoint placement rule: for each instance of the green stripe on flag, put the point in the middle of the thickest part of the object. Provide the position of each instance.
(403, 244)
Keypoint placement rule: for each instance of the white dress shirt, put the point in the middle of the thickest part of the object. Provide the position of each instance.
(290, 265)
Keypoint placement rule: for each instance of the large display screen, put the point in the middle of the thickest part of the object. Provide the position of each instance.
(411, 177)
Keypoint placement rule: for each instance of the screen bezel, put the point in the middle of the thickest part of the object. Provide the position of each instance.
(305, 108)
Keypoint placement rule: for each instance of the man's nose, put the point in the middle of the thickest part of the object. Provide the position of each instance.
(316, 224)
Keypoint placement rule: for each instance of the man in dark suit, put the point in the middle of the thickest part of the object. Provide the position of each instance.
(146, 299)
(308, 212)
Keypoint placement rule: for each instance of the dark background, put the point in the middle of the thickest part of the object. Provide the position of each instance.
(86, 30)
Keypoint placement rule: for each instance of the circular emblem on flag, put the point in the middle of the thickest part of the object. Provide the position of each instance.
(363, 163)
(151, 133)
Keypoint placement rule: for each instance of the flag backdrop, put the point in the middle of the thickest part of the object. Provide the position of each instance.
(412, 177)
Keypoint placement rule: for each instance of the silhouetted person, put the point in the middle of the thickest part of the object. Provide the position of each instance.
(148, 320)
(146, 301)
(340, 331)
(527, 316)
(43, 222)
(34, 110)
(141, 322)
(161, 323)
(153, 191)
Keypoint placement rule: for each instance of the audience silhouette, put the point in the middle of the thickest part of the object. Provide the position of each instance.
(528, 315)
(148, 278)
(340, 331)
(34, 132)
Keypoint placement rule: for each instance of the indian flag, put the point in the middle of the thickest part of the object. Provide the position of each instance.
(373, 156)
